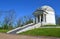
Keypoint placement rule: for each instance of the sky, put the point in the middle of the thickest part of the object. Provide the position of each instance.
(27, 7)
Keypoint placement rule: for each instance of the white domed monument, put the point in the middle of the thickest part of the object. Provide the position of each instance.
(45, 15)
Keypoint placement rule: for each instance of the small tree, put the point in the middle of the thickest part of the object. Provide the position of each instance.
(19, 22)
(58, 21)
(30, 21)
(5, 23)
(5, 26)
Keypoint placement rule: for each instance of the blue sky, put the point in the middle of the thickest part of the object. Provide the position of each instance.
(27, 7)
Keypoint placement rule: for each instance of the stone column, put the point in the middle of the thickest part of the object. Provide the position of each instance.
(36, 19)
(43, 17)
(40, 18)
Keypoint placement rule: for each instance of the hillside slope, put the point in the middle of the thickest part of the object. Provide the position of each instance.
(43, 32)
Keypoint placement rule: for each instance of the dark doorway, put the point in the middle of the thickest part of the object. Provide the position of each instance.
(41, 17)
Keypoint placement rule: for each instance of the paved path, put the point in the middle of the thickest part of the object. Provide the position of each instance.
(11, 36)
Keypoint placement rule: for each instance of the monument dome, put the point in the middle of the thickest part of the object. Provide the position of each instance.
(47, 8)
(44, 8)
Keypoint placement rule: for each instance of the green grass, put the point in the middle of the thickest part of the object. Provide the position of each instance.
(51, 25)
(3, 30)
(55, 32)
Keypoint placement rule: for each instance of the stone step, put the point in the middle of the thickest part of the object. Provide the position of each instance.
(18, 29)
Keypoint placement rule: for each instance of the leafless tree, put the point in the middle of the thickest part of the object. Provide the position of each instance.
(5, 23)
(28, 19)
(9, 18)
(0, 15)
(19, 22)
(24, 20)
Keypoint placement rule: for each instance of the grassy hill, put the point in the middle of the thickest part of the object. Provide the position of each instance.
(4, 30)
(43, 32)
